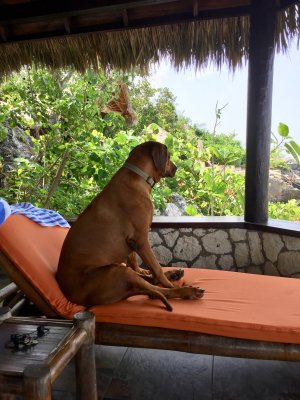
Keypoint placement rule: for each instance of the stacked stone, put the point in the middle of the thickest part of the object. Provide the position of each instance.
(230, 250)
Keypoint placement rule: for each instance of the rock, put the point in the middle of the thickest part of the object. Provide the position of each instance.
(176, 208)
(291, 243)
(166, 230)
(170, 238)
(154, 239)
(255, 248)
(199, 232)
(289, 194)
(270, 269)
(217, 242)
(284, 185)
(163, 255)
(185, 230)
(276, 188)
(179, 201)
(237, 235)
(16, 144)
(187, 248)
(172, 210)
(241, 254)
(206, 262)
(296, 183)
(294, 166)
(253, 269)
(289, 263)
(272, 246)
(180, 264)
(226, 262)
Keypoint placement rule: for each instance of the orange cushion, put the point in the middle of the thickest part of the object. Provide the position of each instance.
(35, 249)
(234, 305)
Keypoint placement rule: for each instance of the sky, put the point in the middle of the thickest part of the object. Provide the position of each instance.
(197, 94)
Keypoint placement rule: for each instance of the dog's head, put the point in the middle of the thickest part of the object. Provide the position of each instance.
(160, 156)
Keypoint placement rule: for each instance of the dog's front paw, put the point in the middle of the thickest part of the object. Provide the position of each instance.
(174, 274)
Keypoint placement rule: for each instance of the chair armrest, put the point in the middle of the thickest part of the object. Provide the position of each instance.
(8, 291)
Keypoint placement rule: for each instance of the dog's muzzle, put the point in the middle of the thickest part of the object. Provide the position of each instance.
(171, 171)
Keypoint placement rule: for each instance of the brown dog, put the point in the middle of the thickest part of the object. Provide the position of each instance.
(97, 263)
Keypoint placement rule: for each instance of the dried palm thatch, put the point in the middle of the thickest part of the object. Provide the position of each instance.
(198, 43)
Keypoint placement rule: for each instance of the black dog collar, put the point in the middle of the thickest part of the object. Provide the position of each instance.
(149, 179)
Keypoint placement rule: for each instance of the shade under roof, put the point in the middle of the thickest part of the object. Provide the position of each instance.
(123, 34)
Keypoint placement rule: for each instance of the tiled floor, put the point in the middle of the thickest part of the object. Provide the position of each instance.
(145, 374)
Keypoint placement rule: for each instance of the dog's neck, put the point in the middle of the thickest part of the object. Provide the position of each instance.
(149, 179)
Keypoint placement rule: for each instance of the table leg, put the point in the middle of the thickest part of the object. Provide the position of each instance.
(37, 383)
(86, 384)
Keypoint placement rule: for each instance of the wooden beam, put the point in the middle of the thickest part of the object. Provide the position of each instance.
(67, 23)
(134, 24)
(286, 3)
(259, 109)
(3, 33)
(192, 342)
(125, 17)
(195, 8)
(46, 10)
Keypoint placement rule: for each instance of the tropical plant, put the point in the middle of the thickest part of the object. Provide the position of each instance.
(288, 211)
(283, 145)
(76, 149)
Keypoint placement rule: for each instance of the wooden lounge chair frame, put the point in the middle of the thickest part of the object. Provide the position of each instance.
(152, 337)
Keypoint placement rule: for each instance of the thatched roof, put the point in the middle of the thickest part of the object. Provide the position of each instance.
(134, 33)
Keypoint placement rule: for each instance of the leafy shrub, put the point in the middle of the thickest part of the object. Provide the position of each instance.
(283, 145)
(226, 148)
(76, 150)
(289, 211)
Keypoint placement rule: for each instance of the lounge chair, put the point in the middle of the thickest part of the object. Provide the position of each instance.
(240, 315)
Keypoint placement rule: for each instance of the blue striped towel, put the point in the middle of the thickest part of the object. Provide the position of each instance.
(5, 210)
(42, 216)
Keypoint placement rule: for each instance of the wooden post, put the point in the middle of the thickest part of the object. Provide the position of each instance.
(259, 110)
(4, 313)
(37, 382)
(86, 383)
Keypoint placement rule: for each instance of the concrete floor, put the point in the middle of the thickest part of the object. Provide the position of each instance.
(145, 374)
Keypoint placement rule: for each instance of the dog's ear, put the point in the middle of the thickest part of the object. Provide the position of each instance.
(159, 155)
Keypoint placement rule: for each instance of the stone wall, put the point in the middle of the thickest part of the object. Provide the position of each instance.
(228, 249)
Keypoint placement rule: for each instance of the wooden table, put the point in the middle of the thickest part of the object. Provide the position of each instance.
(30, 372)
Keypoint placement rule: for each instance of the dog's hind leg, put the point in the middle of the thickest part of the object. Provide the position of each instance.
(111, 283)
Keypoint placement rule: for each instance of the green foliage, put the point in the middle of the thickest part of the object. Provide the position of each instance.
(191, 210)
(154, 106)
(3, 133)
(61, 110)
(199, 183)
(76, 150)
(289, 211)
(283, 143)
(227, 150)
